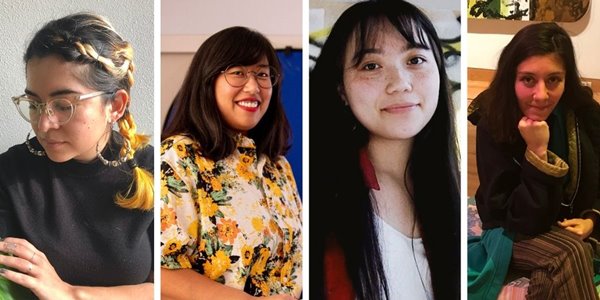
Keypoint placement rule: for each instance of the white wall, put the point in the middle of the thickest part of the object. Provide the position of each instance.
(487, 38)
(19, 20)
(185, 24)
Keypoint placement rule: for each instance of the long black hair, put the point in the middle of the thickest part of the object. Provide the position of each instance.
(336, 181)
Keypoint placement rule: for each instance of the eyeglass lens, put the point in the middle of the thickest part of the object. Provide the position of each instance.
(58, 110)
(237, 76)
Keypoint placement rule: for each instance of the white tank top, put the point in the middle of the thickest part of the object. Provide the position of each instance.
(399, 264)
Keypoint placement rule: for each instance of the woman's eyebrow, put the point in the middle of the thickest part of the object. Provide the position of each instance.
(28, 92)
(53, 94)
(532, 73)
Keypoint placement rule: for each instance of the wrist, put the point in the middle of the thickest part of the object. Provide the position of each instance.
(541, 152)
(77, 293)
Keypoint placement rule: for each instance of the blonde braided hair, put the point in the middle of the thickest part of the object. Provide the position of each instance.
(91, 40)
(121, 66)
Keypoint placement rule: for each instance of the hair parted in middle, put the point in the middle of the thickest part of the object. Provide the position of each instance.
(195, 105)
(336, 139)
(500, 106)
(91, 40)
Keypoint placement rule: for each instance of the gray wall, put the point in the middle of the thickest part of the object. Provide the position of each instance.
(19, 20)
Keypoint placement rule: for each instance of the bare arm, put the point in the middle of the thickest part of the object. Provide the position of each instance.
(31, 269)
(186, 284)
(138, 292)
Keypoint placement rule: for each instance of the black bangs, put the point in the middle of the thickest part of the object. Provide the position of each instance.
(371, 29)
(246, 47)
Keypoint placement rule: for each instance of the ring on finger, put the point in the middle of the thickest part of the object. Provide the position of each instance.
(32, 256)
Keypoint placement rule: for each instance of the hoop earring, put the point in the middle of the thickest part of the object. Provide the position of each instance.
(30, 148)
(117, 162)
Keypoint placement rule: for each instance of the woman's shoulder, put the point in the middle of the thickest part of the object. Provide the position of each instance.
(179, 148)
(474, 111)
(284, 166)
(588, 118)
(145, 156)
(589, 114)
(177, 142)
(14, 154)
(282, 162)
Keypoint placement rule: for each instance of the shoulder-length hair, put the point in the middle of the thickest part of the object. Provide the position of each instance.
(196, 112)
(336, 180)
(500, 106)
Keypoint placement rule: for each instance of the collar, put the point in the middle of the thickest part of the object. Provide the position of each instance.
(368, 170)
(242, 141)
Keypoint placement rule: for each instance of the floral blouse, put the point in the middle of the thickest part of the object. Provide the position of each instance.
(236, 220)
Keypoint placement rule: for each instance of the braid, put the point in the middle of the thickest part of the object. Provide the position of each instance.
(126, 68)
(142, 185)
(143, 197)
(91, 40)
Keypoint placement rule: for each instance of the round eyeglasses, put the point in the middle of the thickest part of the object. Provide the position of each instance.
(59, 109)
(238, 75)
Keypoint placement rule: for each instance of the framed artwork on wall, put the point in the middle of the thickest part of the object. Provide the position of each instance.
(528, 10)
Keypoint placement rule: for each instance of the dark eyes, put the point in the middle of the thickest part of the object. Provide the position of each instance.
(528, 81)
(554, 79)
(263, 75)
(237, 73)
(416, 61)
(551, 82)
(371, 66)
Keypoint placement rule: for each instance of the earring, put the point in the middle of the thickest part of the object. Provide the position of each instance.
(30, 148)
(117, 162)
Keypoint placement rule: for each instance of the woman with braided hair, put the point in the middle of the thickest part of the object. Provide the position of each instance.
(76, 199)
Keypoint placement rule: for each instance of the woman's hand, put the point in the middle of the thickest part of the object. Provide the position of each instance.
(31, 269)
(536, 135)
(581, 227)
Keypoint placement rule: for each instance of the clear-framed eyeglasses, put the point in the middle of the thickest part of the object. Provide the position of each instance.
(238, 75)
(59, 109)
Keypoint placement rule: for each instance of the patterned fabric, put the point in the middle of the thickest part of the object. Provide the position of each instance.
(515, 290)
(473, 221)
(236, 220)
(560, 264)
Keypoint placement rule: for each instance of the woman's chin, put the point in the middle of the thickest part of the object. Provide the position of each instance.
(537, 117)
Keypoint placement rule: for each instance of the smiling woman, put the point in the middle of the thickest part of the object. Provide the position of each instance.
(384, 155)
(391, 66)
(251, 94)
(538, 150)
(540, 84)
(231, 222)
